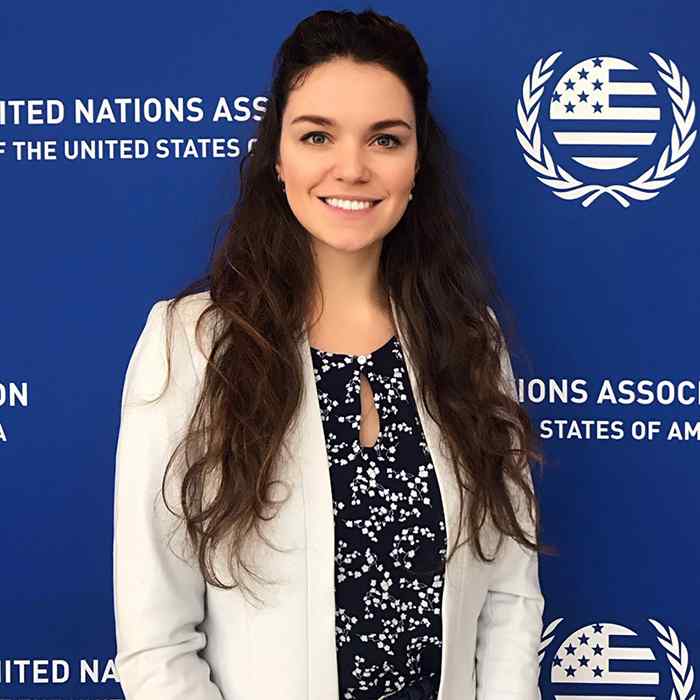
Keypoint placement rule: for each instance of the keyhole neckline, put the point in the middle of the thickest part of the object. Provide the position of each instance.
(359, 358)
(362, 418)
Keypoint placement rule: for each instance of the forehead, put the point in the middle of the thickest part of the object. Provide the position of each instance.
(351, 93)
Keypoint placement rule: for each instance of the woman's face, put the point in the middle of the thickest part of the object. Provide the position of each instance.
(332, 145)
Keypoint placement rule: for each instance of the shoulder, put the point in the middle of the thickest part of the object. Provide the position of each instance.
(507, 377)
(168, 336)
(493, 316)
(190, 308)
(188, 332)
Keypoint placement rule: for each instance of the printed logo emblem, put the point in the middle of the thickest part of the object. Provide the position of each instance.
(606, 119)
(608, 660)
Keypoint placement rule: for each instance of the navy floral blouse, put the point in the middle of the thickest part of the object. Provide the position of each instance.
(390, 533)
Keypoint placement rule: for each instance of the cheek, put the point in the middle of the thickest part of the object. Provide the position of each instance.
(399, 176)
(298, 161)
(302, 176)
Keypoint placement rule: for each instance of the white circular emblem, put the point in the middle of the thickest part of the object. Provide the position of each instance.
(590, 656)
(593, 105)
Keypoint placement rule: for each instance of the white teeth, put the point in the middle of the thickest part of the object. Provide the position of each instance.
(348, 204)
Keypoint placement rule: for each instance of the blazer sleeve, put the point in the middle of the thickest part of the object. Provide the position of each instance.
(509, 626)
(158, 597)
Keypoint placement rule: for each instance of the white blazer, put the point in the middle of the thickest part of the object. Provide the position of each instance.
(181, 639)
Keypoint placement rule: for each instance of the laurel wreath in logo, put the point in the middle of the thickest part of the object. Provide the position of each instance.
(682, 672)
(646, 186)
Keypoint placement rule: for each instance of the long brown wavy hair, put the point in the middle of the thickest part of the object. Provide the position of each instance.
(262, 278)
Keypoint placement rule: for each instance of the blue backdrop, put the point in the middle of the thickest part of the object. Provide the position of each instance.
(575, 123)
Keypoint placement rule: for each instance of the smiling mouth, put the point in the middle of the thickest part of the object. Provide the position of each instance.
(373, 203)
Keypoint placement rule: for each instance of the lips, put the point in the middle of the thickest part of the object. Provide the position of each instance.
(373, 201)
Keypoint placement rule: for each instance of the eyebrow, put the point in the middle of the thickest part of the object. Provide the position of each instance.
(325, 121)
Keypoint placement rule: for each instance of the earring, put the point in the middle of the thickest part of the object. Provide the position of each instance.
(410, 196)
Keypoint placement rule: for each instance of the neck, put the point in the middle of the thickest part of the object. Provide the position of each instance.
(351, 311)
(350, 289)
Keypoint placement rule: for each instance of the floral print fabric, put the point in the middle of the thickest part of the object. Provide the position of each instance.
(389, 526)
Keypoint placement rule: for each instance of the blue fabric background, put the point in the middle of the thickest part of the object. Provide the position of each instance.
(599, 292)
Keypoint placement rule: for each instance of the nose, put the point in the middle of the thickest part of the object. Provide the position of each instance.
(350, 162)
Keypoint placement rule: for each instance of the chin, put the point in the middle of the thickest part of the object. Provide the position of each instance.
(349, 242)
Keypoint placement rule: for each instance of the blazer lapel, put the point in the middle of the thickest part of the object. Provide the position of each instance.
(320, 530)
(320, 540)
(449, 490)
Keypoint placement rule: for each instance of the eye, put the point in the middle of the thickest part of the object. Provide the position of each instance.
(395, 140)
(312, 134)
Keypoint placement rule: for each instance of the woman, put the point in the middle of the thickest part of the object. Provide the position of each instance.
(333, 411)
